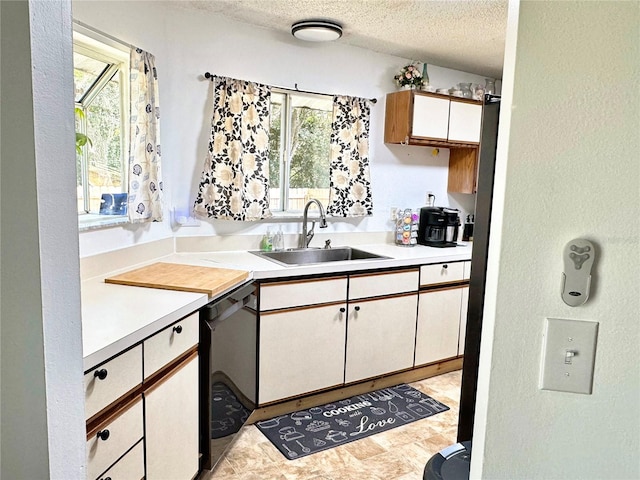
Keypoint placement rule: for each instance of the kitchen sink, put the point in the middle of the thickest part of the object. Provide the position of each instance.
(309, 256)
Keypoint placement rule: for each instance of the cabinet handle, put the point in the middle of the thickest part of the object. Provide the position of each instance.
(356, 308)
(445, 266)
(178, 329)
(103, 434)
(106, 478)
(101, 374)
(342, 309)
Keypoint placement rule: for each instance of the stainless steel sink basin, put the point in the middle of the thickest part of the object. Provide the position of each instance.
(309, 256)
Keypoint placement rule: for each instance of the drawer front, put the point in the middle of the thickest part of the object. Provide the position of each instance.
(170, 343)
(467, 271)
(129, 467)
(121, 374)
(441, 273)
(124, 431)
(295, 294)
(364, 286)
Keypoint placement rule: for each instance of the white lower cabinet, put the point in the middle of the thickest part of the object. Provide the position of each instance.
(120, 428)
(309, 342)
(380, 336)
(301, 351)
(129, 467)
(171, 420)
(113, 439)
(438, 325)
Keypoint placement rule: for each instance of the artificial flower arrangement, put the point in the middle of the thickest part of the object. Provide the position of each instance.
(409, 75)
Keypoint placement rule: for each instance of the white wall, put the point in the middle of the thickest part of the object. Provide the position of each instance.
(187, 43)
(42, 384)
(568, 167)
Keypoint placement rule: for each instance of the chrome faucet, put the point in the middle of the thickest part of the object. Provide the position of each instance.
(306, 236)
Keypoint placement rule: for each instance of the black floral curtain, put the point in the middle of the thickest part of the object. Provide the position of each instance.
(350, 182)
(145, 172)
(235, 179)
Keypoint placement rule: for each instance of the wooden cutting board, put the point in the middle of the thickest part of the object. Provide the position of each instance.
(185, 278)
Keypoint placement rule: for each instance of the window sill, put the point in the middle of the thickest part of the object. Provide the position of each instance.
(91, 221)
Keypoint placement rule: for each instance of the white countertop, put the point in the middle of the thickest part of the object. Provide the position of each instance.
(262, 268)
(115, 317)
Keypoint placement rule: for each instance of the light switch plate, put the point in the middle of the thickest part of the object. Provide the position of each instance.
(568, 355)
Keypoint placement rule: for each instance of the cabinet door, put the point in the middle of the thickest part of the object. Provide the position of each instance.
(463, 320)
(430, 117)
(465, 121)
(301, 351)
(380, 336)
(438, 325)
(463, 170)
(171, 425)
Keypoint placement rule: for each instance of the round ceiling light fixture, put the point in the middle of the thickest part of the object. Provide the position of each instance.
(316, 30)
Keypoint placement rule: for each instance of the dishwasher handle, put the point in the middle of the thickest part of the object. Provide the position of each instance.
(222, 309)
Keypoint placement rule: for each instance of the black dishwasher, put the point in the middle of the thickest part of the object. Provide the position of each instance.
(228, 390)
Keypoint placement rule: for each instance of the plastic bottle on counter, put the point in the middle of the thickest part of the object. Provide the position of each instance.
(266, 245)
(278, 240)
(467, 233)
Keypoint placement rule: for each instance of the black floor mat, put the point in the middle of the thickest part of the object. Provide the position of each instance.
(319, 428)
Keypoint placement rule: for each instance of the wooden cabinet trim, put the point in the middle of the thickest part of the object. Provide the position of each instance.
(444, 286)
(301, 307)
(463, 170)
(383, 297)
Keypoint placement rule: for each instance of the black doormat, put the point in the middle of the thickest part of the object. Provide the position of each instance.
(319, 428)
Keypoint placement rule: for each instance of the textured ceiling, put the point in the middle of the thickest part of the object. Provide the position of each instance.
(465, 35)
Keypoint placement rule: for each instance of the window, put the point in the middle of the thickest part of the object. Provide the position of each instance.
(299, 149)
(101, 78)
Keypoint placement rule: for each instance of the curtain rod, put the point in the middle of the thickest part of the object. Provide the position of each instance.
(209, 76)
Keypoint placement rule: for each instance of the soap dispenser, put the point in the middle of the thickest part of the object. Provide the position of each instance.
(266, 245)
(278, 240)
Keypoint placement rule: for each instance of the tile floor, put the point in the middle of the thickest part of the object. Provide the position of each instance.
(397, 454)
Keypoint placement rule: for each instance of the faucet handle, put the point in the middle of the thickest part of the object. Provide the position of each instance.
(327, 243)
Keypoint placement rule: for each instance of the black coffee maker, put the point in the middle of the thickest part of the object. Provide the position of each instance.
(438, 227)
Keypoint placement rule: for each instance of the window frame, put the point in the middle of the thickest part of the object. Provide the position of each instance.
(286, 144)
(114, 53)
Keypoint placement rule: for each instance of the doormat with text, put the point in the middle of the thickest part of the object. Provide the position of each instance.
(319, 428)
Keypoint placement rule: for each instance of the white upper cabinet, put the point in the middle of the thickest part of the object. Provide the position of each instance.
(465, 122)
(420, 118)
(430, 117)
